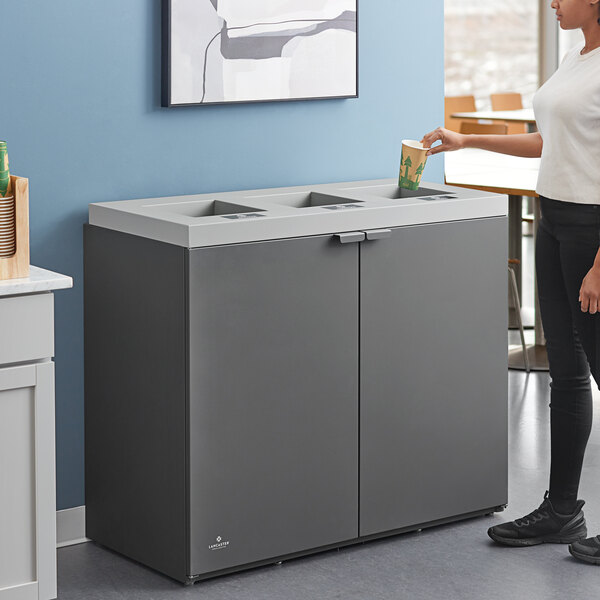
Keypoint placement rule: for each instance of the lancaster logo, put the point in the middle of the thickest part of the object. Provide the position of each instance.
(220, 544)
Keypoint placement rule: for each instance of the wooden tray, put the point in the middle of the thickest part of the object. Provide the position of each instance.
(17, 265)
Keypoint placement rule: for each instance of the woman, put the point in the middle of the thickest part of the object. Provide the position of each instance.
(567, 256)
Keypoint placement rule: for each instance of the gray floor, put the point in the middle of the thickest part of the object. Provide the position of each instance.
(456, 562)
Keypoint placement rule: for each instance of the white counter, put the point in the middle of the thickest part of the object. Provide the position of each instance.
(39, 280)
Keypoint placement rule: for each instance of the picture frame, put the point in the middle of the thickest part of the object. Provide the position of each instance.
(235, 51)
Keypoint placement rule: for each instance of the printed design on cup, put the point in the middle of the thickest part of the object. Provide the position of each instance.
(4, 171)
(412, 164)
(8, 239)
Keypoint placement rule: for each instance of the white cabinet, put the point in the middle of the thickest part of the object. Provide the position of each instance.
(27, 496)
(27, 447)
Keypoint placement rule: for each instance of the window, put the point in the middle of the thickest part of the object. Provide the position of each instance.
(491, 47)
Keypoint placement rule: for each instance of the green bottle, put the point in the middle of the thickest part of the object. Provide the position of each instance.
(5, 188)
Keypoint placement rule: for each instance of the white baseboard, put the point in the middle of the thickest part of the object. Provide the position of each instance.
(70, 526)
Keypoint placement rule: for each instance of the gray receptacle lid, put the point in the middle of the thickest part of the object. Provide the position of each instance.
(250, 215)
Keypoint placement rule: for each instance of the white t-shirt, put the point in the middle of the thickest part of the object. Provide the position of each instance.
(567, 112)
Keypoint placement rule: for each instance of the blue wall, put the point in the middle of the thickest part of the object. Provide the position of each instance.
(80, 110)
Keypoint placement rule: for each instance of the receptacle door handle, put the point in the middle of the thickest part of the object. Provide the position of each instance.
(377, 234)
(350, 236)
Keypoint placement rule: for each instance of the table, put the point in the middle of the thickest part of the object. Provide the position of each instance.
(517, 177)
(521, 115)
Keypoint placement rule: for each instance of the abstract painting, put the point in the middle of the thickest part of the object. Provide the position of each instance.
(222, 51)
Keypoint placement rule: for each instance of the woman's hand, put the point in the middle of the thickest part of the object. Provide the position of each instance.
(589, 294)
(451, 140)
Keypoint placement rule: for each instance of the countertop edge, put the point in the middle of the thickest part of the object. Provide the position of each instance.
(39, 280)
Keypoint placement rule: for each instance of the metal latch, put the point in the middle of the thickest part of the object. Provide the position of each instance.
(376, 234)
(350, 236)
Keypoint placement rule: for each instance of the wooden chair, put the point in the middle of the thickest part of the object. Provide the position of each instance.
(454, 104)
(506, 101)
(483, 128)
(509, 101)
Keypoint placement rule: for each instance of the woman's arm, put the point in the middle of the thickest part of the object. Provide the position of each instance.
(528, 145)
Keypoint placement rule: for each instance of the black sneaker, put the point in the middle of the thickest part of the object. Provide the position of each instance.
(587, 550)
(542, 526)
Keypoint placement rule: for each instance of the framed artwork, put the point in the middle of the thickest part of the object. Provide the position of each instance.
(225, 51)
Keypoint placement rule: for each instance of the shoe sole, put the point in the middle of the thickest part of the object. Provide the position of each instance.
(593, 560)
(549, 539)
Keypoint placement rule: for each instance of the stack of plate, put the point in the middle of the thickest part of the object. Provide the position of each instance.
(8, 239)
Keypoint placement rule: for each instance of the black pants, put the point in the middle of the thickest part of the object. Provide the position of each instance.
(567, 241)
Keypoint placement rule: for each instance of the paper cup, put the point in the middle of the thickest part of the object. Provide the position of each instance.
(412, 164)
(8, 242)
(8, 250)
(7, 212)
